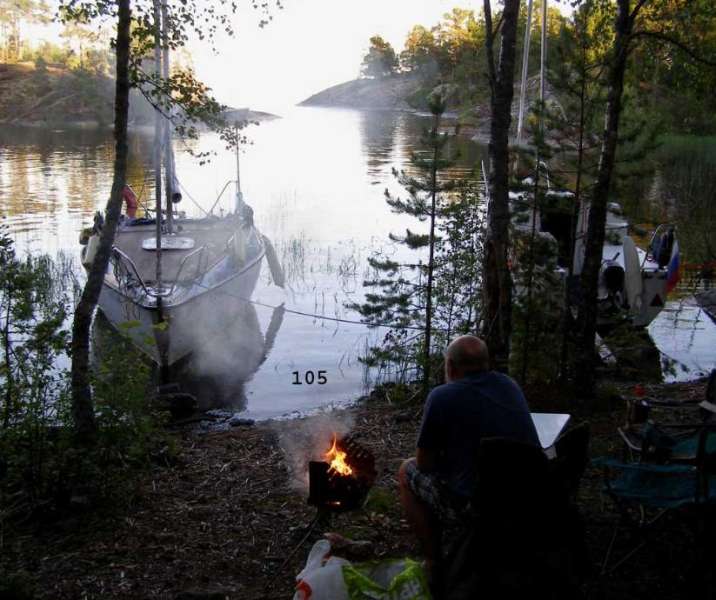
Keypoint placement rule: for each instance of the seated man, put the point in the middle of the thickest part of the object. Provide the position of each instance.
(475, 403)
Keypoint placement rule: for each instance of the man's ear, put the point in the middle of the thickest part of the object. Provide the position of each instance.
(449, 368)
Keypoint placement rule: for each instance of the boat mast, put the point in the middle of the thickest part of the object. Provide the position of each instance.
(525, 64)
(239, 195)
(543, 51)
(167, 138)
(157, 150)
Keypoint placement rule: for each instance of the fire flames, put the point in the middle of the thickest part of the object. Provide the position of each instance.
(337, 460)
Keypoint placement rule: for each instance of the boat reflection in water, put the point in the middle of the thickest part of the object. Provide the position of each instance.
(230, 347)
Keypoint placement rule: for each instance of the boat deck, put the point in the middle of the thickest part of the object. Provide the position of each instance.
(212, 237)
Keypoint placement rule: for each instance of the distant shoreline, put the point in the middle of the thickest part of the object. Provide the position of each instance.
(94, 125)
(55, 97)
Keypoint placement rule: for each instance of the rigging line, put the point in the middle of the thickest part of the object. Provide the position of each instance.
(201, 208)
(321, 317)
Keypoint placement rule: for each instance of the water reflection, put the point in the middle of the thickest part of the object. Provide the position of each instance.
(218, 370)
(52, 181)
(685, 336)
(230, 350)
(378, 138)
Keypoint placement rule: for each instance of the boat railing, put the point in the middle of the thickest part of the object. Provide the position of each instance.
(650, 247)
(123, 266)
(199, 251)
(120, 262)
(226, 185)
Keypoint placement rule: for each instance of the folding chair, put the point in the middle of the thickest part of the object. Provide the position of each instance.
(646, 441)
(661, 487)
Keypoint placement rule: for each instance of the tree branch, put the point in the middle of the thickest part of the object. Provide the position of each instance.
(662, 37)
(636, 10)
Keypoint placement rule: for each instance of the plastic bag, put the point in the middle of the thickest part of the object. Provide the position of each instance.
(322, 577)
(386, 580)
(328, 577)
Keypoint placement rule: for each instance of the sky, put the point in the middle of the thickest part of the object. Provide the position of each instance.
(309, 45)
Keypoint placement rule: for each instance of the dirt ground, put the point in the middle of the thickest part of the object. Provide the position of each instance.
(222, 521)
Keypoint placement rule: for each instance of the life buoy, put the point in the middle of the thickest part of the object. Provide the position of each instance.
(130, 199)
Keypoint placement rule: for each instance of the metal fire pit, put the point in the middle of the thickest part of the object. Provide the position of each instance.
(331, 491)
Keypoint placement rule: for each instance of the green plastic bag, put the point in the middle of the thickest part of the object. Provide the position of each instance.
(386, 580)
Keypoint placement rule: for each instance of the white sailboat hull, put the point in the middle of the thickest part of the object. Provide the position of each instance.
(187, 324)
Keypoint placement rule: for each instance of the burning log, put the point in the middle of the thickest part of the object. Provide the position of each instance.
(341, 481)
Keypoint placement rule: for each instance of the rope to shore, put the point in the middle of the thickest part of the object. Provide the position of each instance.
(322, 317)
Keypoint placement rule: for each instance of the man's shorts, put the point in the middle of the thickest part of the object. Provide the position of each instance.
(447, 506)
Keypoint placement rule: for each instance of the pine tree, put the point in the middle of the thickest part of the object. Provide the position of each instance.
(406, 293)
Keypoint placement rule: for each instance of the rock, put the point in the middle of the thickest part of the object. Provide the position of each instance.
(237, 421)
(180, 405)
(382, 93)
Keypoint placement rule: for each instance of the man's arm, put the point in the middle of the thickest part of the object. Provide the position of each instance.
(430, 435)
(426, 459)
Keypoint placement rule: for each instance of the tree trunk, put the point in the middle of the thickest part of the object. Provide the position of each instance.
(497, 288)
(598, 206)
(82, 404)
(567, 318)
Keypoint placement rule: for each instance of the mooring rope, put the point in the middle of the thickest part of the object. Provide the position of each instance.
(322, 317)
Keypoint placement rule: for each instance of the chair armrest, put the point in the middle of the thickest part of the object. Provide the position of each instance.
(630, 444)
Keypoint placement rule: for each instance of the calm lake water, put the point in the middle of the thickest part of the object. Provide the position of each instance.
(315, 179)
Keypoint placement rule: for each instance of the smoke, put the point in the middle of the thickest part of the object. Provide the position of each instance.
(309, 439)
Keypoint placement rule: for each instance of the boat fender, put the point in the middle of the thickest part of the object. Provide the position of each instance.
(277, 273)
(90, 250)
(239, 245)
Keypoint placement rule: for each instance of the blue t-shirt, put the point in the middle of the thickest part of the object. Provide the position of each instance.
(458, 415)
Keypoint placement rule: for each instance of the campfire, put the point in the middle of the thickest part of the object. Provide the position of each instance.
(342, 479)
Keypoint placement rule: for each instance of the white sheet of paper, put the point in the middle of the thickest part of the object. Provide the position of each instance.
(549, 426)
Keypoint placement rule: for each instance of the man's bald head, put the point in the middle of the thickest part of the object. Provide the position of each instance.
(465, 355)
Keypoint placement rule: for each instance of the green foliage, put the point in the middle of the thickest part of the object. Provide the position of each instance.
(13, 15)
(685, 191)
(32, 387)
(381, 60)
(420, 53)
(42, 469)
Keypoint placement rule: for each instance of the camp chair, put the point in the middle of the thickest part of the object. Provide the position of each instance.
(660, 487)
(675, 443)
(520, 540)
(647, 441)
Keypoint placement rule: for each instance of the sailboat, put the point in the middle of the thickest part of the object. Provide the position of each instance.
(633, 282)
(167, 273)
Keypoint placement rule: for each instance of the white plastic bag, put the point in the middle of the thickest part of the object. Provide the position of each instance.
(321, 579)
